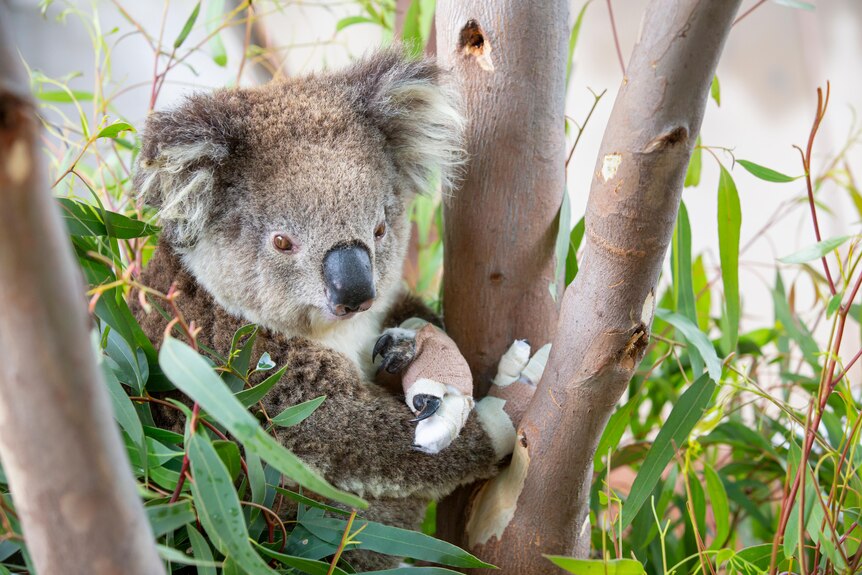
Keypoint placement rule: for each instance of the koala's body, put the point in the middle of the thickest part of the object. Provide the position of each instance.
(287, 206)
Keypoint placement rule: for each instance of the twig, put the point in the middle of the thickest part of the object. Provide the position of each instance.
(616, 38)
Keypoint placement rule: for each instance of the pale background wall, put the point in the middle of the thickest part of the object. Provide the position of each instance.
(773, 62)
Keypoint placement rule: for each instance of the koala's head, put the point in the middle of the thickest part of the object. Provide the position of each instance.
(289, 202)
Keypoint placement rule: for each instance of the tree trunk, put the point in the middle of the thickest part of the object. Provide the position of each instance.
(540, 503)
(501, 227)
(67, 469)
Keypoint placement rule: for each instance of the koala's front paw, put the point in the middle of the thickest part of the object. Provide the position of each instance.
(396, 347)
(445, 413)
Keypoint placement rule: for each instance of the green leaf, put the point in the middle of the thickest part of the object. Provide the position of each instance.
(351, 21)
(219, 507)
(766, 174)
(683, 282)
(695, 164)
(729, 224)
(190, 22)
(115, 130)
(796, 330)
(814, 252)
(696, 338)
(715, 91)
(672, 435)
(249, 397)
(202, 552)
(193, 376)
(82, 219)
(125, 414)
(176, 556)
(597, 566)
(309, 566)
(169, 517)
(573, 40)
(720, 507)
(63, 97)
(215, 14)
(411, 33)
(564, 222)
(613, 433)
(394, 541)
(228, 451)
(575, 240)
(295, 414)
(834, 304)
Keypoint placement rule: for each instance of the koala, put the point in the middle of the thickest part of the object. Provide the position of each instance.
(286, 205)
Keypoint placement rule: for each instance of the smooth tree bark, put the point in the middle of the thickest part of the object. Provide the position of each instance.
(68, 472)
(508, 57)
(540, 503)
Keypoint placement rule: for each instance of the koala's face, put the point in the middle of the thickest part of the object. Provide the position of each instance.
(289, 202)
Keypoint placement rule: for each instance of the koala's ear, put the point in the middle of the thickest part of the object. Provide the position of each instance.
(418, 112)
(180, 153)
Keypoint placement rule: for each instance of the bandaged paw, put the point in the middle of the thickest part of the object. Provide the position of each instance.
(435, 432)
(517, 377)
(438, 388)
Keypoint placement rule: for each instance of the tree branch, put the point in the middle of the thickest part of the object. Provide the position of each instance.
(68, 471)
(540, 503)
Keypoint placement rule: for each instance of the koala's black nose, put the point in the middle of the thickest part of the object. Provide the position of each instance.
(349, 279)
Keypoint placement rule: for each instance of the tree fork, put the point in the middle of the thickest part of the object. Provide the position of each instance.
(68, 472)
(540, 503)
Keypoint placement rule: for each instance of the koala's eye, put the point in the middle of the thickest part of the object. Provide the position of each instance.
(380, 230)
(283, 243)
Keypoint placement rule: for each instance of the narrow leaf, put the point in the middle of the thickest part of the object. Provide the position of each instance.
(597, 566)
(190, 22)
(715, 91)
(766, 174)
(115, 130)
(219, 507)
(295, 414)
(814, 252)
(729, 224)
(696, 338)
(695, 164)
(671, 437)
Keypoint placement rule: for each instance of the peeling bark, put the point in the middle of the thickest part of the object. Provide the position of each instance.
(68, 472)
(606, 313)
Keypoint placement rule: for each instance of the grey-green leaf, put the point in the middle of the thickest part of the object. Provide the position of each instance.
(190, 22)
(219, 507)
(766, 174)
(297, 413)
(696, 338)
(814, 252)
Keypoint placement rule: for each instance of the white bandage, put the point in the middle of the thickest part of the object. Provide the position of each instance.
(512, 363)
(438, 431)
(536, 367)
(497, 425)
(426, 387)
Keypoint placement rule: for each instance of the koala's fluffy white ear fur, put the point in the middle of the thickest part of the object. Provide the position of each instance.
(176, 167)
(418, 111)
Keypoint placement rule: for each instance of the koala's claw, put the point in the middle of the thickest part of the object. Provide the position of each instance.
(396, 347)
(426, 406)
(438, 431)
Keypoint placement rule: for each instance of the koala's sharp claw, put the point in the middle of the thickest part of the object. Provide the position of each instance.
(382, 342)
(427, 406)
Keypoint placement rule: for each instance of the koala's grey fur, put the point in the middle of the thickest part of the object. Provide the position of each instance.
(324, 159)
